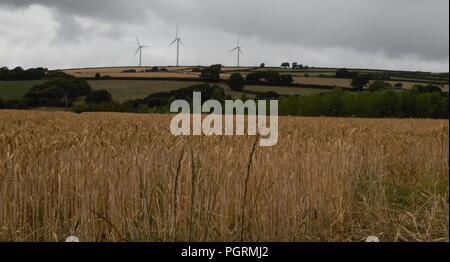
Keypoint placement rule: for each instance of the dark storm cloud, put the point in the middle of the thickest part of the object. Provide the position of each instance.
(394, 28)
(131, 11)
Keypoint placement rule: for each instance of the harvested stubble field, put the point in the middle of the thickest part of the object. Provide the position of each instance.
(122, 177)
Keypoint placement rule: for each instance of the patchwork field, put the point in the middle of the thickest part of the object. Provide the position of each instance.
(124, 177)
(123, 90)
(316, 76)
(15, 90)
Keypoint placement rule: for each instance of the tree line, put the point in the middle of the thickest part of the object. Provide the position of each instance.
(19, 74)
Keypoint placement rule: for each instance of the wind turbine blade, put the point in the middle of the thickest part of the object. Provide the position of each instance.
(240, 51)
(173, 42)
(137, 40)
(181, 42)
(239, 41)
(234, 49)
(137, 50)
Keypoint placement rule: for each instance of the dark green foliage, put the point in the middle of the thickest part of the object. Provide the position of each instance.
(367, 104)
(268, 77)
(263, 65)
(297, 66)
(105, 107)
(267, 96)
(212, 73)
(98, 97)
(359, 82)
(19, 74)
(427, 89)
(58, 74)
(379, 86)
(163, 100)
(152, 70)
(345, 73)
(98, 76)
(55, 91)
(285, 65)
(197, 69)
(236, 82)
(12, 104)
(398, 85)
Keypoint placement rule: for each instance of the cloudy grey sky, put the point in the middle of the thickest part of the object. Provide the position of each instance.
(390, 34)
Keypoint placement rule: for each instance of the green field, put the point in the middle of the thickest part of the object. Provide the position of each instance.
(15, 90)
(123, 90)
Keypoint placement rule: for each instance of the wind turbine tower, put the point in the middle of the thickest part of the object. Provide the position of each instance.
(139, 50)
(178, 41)
(238, 50)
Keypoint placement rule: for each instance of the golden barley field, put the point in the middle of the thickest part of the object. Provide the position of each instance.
(124, 177)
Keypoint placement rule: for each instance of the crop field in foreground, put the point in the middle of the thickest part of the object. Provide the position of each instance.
(124, 177)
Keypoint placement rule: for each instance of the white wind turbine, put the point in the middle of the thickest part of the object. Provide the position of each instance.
(238, 49)
(139, 50)
(178, 41)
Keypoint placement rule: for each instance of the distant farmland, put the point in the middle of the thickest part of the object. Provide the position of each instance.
(124, 86)
(323, 77)
(123, 90)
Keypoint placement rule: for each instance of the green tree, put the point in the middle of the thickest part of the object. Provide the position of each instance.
(236, 82)
(379, 86)
(359, 82)
(98, 97)
(285, 65)
(211, 73)
(344, 73)
(427, 89)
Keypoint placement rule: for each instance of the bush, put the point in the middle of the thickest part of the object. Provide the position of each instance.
(344, 73)
(153, 69)
(55, 91)
(398, 85)
(379, 86)
(367, 104)
(211, 73)
(58, 74)
(236, 82)
(98, 76)
(268, 77)
(161, 101)
(129, 71)
(359, 82)
(427, 89)
(285, 65)
(12, 104)
(98, 97)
